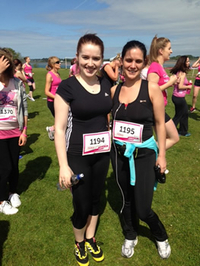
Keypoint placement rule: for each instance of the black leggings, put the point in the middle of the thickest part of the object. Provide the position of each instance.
(9, 158)
(181, 114)
(87, 193)
(50, 105)
(137, 199)
(30, 84)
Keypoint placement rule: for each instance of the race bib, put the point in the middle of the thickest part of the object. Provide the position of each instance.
(8, 113)
(127, 131)
(96, 143)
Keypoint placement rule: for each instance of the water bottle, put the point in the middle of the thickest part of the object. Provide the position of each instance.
(74, 180)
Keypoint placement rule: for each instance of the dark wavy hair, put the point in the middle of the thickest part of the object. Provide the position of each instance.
(9, 72)
(180, 65)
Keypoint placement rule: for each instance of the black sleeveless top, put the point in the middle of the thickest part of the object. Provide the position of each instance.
(139, 111)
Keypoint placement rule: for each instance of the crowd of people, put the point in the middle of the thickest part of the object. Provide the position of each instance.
(131, 92)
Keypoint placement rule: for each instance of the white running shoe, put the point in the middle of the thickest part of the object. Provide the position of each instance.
(14, 200)
(7, 209)
(30, 98)
(128, 247)
(164, 249)
(50, 133)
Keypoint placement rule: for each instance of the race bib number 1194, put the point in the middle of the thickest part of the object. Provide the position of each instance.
(96, 143)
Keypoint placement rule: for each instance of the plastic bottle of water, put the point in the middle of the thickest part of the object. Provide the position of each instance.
(74, 180)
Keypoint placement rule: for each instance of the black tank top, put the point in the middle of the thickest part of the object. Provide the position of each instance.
(105, 75)
(139, 111)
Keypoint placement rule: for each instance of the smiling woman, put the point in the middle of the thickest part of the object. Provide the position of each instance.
(137, 106)
(82, 105)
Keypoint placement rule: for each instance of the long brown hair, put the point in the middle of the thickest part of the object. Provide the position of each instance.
(156, 45)
(180, 65)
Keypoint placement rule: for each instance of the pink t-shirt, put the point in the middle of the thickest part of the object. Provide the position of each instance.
(163, 77)
(74, 69)
(54, 85)
(28, 71)
(9, 127)
(180, 93)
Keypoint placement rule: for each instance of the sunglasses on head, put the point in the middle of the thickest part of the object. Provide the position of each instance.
(57, 62)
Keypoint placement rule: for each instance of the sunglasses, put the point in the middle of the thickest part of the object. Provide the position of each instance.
(57, 62)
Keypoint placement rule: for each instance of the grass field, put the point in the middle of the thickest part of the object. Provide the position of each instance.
(41, 233)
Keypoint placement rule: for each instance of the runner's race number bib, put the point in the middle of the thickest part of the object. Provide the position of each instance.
(127, 131)
(8, 113)
(96, 143)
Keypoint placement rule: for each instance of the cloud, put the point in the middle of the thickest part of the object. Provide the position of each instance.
(142, 19)
(115, 21)
(38, 45)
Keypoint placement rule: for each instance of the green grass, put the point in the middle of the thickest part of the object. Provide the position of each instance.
(41, 233)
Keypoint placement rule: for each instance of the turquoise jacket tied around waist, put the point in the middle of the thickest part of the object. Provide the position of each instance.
(130, 148)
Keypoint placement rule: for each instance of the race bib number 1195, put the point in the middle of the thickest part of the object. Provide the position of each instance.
(127, 131)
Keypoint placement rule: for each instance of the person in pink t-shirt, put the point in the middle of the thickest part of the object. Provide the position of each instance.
(196, 86)
(52, 82)
(74, 69)
(13, 127)
(160, 52)
(29, 76)
(178, 98)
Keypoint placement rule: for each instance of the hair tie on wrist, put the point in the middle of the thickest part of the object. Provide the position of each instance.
(25, 127)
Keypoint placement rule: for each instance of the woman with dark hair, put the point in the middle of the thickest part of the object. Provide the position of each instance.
(13, 127)
(82, 141)
(178, 98)
(137, 106)
(19, 73)
(160, 51)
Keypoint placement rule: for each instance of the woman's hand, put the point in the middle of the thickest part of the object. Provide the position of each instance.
(4, 64)
(22, 140)
(161, 161)
(65, 177)
(173, 79)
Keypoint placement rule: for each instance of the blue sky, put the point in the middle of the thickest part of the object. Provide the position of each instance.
(41, 28)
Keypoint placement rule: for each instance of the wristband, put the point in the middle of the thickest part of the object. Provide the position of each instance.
(24, 135)
(25, 128)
